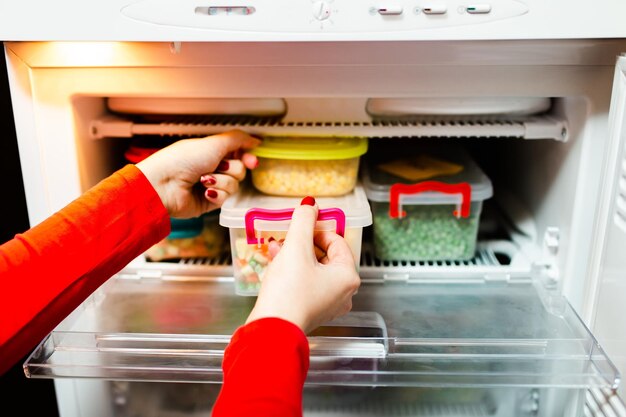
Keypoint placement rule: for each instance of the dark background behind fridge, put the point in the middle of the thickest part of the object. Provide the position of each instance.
(14, 385)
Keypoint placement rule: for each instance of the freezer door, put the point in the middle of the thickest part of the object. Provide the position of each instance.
(456, 349)
(398, 334)
(606, 308)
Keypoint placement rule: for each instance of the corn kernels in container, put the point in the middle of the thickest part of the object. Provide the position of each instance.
(320, 178)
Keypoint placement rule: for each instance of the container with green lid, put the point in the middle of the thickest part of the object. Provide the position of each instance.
(320, 167)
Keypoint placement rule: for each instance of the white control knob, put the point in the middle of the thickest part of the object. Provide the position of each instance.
(321, 10)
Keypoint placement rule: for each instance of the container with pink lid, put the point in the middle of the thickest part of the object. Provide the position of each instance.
(255, 218)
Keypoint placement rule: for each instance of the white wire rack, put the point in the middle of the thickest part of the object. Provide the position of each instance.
(493, 261)
(532, 127)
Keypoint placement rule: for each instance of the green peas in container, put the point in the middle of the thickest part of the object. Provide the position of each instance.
(430, 220)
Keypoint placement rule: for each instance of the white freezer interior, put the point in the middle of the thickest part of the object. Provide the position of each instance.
(548, 180)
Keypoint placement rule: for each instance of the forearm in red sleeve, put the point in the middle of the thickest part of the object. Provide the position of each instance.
(265, 366)
(46, 272)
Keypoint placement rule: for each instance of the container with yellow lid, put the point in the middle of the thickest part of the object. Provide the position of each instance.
(320, 167)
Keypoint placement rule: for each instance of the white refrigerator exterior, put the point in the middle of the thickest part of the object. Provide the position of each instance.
(309, 20)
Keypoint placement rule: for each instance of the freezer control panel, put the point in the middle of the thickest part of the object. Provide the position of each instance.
(291, 16)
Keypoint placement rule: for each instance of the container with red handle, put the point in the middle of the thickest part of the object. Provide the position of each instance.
(430, 220)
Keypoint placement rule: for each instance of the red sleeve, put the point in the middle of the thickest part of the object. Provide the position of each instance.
(49, 270)
(265, 366)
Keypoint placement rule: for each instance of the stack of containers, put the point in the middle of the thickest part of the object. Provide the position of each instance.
(429, 220)
(198, 237)
(288, 170)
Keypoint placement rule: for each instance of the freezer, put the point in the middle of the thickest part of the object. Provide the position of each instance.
(499, 346)
(513, 303)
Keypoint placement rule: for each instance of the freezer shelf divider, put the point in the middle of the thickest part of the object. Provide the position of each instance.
(535, 127)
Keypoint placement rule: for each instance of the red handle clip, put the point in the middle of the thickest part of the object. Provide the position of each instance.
(396, 190)
(285, 214)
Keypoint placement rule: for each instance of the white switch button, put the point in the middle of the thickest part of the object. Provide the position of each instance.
(435, 9)
(478, 8)
(390, 10)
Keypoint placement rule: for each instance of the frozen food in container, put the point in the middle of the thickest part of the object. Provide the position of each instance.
(325, 166)
(253, 218)
(433, 219)
(200, 237)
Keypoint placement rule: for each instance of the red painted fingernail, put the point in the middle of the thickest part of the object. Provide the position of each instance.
(208, 180)
(211, 193)
(271, 239)
(307, 201)
(223, 166)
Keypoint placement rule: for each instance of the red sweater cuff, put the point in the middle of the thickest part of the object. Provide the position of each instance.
(265, 367)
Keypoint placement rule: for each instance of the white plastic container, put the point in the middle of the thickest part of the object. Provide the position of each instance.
(253, 218)
(434, 219)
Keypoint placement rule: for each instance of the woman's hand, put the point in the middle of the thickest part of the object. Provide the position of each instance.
(312, 278)
(194, 176)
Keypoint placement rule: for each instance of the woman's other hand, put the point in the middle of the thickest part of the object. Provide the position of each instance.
(194, 176)
(312, 278)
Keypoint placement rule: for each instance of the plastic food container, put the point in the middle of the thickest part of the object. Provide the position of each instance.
(200, 237)
(253, 218)
(308, 166)
(434, 219)
(185, 228)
